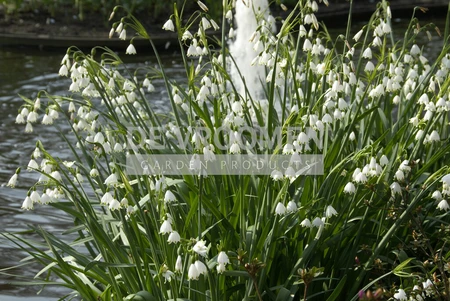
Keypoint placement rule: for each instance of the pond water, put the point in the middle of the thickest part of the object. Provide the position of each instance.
(27, 71)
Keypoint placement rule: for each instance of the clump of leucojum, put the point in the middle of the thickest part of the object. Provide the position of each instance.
(373, 105)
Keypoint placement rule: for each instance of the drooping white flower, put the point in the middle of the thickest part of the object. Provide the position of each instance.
(367, 53)
(124, 203)
(195, 163)
(424, 99)
(130, 49)
(291, 207)
(441, 105)
(400, 295)
(280, 209)
(358, 35)
(27, 204)
(208, 153)
(178, 264)
(123, 34)
(342, 104)
(443, 205)
(415, 50)
(166, 273)
(160, 184)
(437, 195)
(166, 227)
(187, 35)
(446, 179)
(35, 197)
(169, 197)
(235, 149)
(118, 147)
(399, 175)
(201, 267)
(130, 210)
(276, 175)
(118, 29)
(384, 160)
(360, 178)
(317, 222)
(45, 198)
(111, 180)
(374, 167)
(202, 6)
(177, 99)
(404, 166)
(307, 46)
(111, 32)
(94, 173)
(427, 284)
(369, 67)
(47, 119)
(337, 114)
(386, 27)
(327, 119)
(352, 136)
(200, 248)
(106, 198)
(434, 136)
(99, 138)
(355, 173)
(377, 41)
(56, 175)
(12, 181)
(114, 204)
(174, 237)
(192, 50)
(396, 100)
(193, 273)
(63, 71)
(37, 153)
(223, 258)
(205, 23)
(24, 112)
(350, 188)
(428, 115)
(330, 211)
(414, 121)
(221, 268)
(20, 119)
(169, 25)
(71, 107)
(229, 15)
(396, 188)
(306, 223)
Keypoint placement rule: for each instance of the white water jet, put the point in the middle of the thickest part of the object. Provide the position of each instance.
(246, 47)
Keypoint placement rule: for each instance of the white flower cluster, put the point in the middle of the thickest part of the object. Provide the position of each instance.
(370, 170)
(440, 195)
(418, 293)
